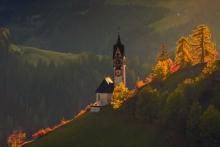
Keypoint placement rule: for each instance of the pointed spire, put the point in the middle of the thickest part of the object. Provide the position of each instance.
(119, 40)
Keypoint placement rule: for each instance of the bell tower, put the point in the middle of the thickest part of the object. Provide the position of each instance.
(119, 62)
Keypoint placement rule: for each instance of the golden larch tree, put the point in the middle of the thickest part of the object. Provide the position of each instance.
(202, 46)
(163, 55)
(161, 70)
(183, 57)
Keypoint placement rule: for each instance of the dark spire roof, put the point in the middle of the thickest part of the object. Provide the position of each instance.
(107, 86)
(119, 45)
(119, 40)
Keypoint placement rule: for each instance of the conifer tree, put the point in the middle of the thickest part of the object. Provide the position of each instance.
(161, 70)
(183, 57)
(163, 55)
(194, 118)
(176, 110)
(202, 47)
(210, 124)
(147, 104)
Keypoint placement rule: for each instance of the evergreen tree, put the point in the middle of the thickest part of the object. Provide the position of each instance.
(202, 47)
(129, 105)
(176, 110)
(193, 120)
(210, 124)
(147, 104)
(163, 55)
(182, 56)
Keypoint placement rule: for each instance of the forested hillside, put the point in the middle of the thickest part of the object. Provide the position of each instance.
(180, 98)
(41, 95)
(76, 26)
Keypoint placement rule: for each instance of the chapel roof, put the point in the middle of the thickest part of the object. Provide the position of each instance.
(107, 86)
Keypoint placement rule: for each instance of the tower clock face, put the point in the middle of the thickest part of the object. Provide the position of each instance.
(118, 72)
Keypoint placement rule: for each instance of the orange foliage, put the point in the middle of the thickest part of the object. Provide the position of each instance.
(41, 132)
(208, 70)
(218, 57)
(173, 68)
(83, 111)
(148, 80)
(16, 138)
(131, 93)
(80, 113)
(139, 84)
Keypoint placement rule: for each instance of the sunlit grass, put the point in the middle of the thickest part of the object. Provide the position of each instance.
(106, 128)
(32, 55)
(168, 22)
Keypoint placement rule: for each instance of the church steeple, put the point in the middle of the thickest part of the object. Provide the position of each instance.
(119, 40)
(119, 62)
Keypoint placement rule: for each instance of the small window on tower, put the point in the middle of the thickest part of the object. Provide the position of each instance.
(118, 53)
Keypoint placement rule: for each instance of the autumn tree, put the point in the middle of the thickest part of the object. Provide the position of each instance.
(193, 120)
(120, 94)
(161, 70)
(182, 56)
(147, 104)
(202, 47)
(163, 55)
(211, 66)
(16, 138)
(210, 124)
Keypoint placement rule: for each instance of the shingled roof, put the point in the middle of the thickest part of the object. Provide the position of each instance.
(107, 86)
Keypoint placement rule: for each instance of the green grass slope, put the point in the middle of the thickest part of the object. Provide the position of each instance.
(32, 54)
(109, 128)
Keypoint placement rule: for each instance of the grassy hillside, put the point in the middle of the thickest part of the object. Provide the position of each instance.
(110, 128)
(32, 54)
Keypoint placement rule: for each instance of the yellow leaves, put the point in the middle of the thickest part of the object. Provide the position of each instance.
(161, 70)
(208, 70)
(203, 48)
(188, 81)
(182, 56)
(120, 94)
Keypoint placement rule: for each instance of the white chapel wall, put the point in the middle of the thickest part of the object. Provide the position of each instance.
(103, 99)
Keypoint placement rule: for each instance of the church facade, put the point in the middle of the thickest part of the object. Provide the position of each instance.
(105, 90)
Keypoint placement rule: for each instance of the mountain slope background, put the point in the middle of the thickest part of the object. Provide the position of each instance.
(39, 88)
(43, 92)
(76, 26)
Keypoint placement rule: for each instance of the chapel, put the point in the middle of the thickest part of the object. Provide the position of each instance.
(105, 90)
